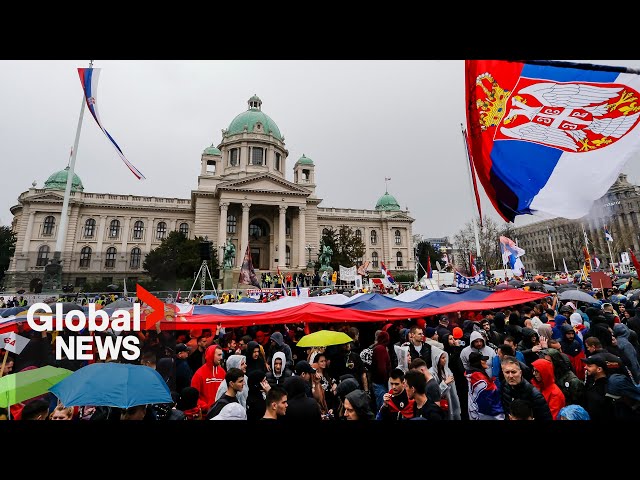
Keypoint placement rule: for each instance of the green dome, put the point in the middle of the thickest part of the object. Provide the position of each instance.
(211, 151)
(252, 116)
(304, 160)
(58, 181)
(387, 202)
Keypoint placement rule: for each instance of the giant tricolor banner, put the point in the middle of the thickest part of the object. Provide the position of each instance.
(550, 137)
(89, 79)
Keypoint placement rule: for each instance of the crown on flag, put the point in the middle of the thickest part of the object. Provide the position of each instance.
(492, 107)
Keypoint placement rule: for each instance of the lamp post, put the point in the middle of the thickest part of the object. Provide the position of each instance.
(309, 247)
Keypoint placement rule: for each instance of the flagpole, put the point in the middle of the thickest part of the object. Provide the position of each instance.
(609, 247)
(473, 206)
(62, 231)
(551, 247)
(586, 245)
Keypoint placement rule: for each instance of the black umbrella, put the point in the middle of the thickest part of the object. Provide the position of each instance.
(504, 286)
(549, 288)
(479, 286)
(516, 283)
(66, 307)
(113, 287)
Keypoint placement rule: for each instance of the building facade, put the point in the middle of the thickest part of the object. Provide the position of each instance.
(242, 195)
(618, 210)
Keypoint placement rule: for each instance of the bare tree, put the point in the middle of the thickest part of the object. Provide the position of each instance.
(488, 236)
(572, 241)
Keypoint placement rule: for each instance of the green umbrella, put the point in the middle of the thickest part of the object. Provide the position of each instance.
(323, 338)
(21, 386)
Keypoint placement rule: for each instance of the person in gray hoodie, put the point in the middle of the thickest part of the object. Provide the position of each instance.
(621, 332)
(444, 376)
(277, 345)
(358, 406)
(236, 361)
(477, 344)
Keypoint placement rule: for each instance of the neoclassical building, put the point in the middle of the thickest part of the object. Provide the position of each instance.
(242, 195)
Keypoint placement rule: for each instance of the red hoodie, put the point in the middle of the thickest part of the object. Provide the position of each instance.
(207, 379)
(550, 391)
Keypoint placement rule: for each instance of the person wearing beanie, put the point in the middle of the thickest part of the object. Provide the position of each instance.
(444, 326)
(431, 337)
(380, 368)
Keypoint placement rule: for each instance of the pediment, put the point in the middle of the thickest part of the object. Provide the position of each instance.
(400, 216)
(265, 183)
(47, 197)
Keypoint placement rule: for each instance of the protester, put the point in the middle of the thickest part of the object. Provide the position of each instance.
(515, 386)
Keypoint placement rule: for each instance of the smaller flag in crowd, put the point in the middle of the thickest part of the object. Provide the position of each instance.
(587, 259)
(566, 270)
(607, 234)
(462, 281)
(429, 270)
(635, 261)
(386, 274)
(472, 265)
(596, 260)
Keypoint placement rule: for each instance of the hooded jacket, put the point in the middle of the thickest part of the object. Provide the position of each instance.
(526, 345)
(207, 380)
(231, 411)
(280, 346)
(621, 332)
(300, 406)
(360, 401)
(257, 364)
(234, 361)
(574, 351)
(483, 395)
(547, 386)
(278, 379)
(381, 361)
(446, 391)
(256, 399)
(570, 385)
(559, 321)
(486, 351)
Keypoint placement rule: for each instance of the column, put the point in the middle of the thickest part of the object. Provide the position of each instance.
(222, 224)
(302, 237)
(282, 239)
(101, 228)
(123, 247)
(244, 237)
(149, 233)
(27, 235)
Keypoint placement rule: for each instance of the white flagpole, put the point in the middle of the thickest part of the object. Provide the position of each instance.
(609, 247)
(551, 247)
(62, 230)
(566, 270)
(473, 205)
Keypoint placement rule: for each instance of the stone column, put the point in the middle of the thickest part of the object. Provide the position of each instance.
(27, 235)
(125, 240)
(149, 232)
(222, 224)
(302, 237)
(282, 239)
(101, 228)
(244, 238)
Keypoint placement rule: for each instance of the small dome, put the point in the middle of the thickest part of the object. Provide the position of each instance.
(58, 181)
(211, 151)
(387, 202)
(304, 160)
(251, 117)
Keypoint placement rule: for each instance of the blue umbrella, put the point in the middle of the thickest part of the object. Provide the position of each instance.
(248, 300)
(209, 297)
(112, 385)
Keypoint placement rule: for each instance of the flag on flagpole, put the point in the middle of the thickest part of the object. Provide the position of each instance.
(587, 259)
(511, 254)
(125, 294)
(472, 265)
(530, 123)
(607, 235)
(386, 274)
(89, 79)
(284, 290)
(635, 261)
(298, 290)
(429, 270)
(247, 273)
(566, 270)
(596, 260)
(178, 299)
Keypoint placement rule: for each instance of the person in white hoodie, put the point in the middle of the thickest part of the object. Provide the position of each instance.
(444, 376)
(236, 361)
(279, 372)
(477, 344)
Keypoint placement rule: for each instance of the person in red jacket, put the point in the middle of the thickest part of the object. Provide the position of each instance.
(544, 380)
(208, 377)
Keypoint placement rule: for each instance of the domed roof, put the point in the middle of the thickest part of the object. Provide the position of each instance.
(58, 181)
(211, 151)
(304, 160)
(387, 202)
(252, 116)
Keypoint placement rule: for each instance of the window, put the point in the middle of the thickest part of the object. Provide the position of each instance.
(85, 257)
(255, 230)
(234, 157)
(89, 227)
(374, 259)
(306, 174)
(43, 256)
(257, 155)
(374, 237)
(138, 230)
(398, 237)
(110, 262)
(232, 224)
(161, 230)
(114, 228)
(47, 226)
(359, 235)
(184, 229)
(81, 281)
(278, 160)
(211, 166)
(287, 227)
(136, 253)
(399, 259)
(288, 256)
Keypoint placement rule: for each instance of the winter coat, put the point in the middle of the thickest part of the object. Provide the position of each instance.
(547, 386)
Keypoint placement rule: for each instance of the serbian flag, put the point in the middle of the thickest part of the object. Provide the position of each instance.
(386, 274)
(429, 271)
(89, 79)
(635, 261)
(537, 126)
(472, 265)
(607, 235)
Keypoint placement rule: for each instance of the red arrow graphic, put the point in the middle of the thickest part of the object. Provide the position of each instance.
(155, 303)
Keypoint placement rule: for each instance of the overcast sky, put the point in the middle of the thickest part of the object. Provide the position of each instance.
(360, 121)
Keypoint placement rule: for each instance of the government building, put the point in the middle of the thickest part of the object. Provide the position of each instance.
(242, 195)
(618, 210)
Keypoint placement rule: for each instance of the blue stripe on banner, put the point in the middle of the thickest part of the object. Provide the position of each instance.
(567, 74)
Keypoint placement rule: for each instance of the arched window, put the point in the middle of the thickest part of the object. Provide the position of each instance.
(85, 257)
(89, 227)
(399, 259)
(47, 226)
(398, 237)
(110, 261)
(232, 224)
(161, 230)
(288, 256)
(374, 237)
(359, 235)
(374, 259)
(114, 229)
(136, 253)
(43, 255)
(184, 229)
(287, 227)
(138, 230)
(258, 228)
(234, 157)
(257, 156)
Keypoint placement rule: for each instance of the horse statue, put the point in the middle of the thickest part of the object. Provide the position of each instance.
(325, 257)
(229, 254)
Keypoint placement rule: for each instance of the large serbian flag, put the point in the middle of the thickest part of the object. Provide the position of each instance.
(89, 79)
(549, 138)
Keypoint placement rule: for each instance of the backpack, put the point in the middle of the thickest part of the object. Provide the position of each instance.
(366, 355)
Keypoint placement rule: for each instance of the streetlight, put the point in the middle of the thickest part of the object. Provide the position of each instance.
(309, 247)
